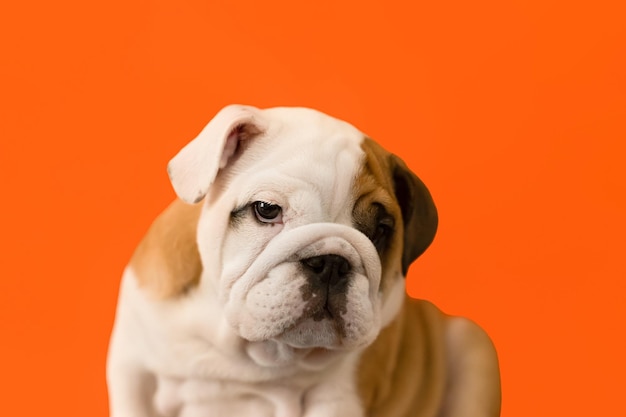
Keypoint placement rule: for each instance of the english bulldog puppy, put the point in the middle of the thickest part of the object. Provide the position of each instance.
(274, 286)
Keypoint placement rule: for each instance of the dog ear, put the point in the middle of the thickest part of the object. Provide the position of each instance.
(195, 167)
(419, 213)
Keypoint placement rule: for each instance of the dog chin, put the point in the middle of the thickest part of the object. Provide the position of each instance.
(289, 350)
(311, 344)
(312, 334)
(276, 354)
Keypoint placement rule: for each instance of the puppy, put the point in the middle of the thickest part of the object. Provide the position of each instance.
(275, 285)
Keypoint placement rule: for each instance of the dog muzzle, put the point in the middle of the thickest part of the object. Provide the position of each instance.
(312, 286)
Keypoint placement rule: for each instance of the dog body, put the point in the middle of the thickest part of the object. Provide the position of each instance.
(276, 287)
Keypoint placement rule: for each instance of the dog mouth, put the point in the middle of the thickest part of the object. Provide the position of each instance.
(331, 298)
(276, 353)
(310, 333)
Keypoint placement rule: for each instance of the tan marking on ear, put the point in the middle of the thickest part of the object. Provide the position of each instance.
(403, 372)
(167, 262)
(375, 185)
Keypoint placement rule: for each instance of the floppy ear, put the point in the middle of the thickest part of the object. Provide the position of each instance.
(419, 213)
(194, 168)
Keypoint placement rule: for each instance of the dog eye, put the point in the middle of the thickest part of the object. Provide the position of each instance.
(384, 229)
(267, 212)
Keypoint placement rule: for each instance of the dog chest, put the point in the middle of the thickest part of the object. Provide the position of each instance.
(207, 398)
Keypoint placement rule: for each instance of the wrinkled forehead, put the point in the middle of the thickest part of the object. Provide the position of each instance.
(308, 146)
(310, 130)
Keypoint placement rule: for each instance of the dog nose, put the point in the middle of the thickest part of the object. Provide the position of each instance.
(329, 269)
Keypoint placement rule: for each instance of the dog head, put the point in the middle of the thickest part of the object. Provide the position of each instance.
(306, 230)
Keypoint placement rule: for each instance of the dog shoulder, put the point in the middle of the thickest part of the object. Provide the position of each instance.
(473, 370)
(427, 363)
(166, 262)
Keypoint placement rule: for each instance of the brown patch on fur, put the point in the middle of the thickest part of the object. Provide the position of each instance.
(167, 262)
(374, 185)
(411, 349)
(385, 178)
(402, 374)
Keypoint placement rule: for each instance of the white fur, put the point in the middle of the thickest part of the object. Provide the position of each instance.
(202, 368)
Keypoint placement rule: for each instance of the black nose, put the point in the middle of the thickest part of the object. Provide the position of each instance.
(329, 269)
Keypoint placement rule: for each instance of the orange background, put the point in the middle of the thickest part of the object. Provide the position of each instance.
(511, 111)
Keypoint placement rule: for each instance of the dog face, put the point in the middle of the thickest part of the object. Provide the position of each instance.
(306, 230)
